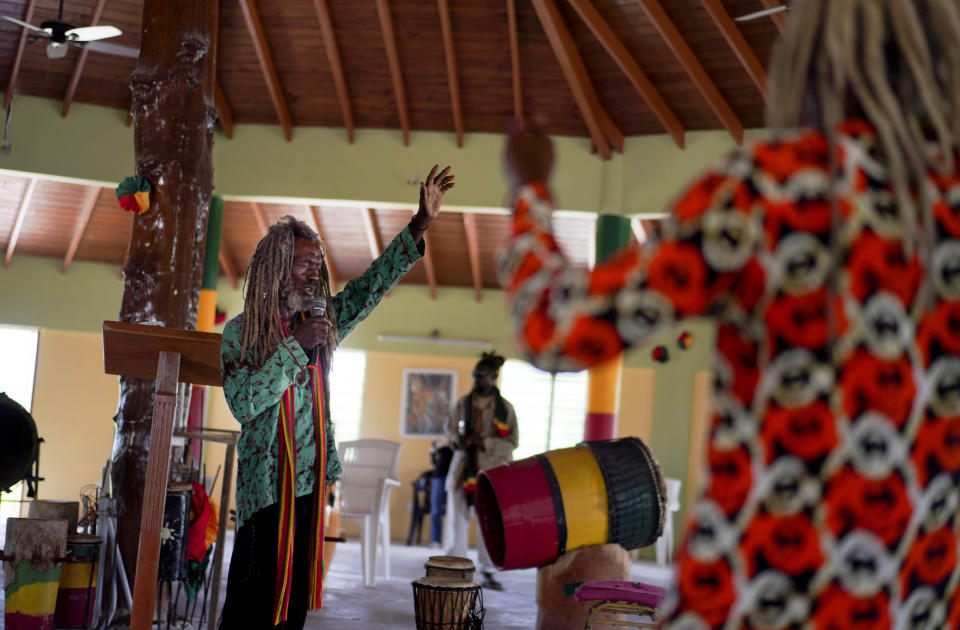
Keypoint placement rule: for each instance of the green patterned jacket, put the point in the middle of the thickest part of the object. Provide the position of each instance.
(254, 395)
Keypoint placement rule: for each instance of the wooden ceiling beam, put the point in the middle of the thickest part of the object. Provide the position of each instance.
(336, 68)
(447, 32)
(615, 48)
(671, 36)
(223, 110)
(331, 270)
(89, 203)
(226, 263)
(78, 69)
(575, 72)
(738, 44)
(779, 19)
(18, 223)
(428, 266)
(18, 57)
(267, 67)
(473, 251)
(514, 59)
(260, 218)
(373, 234)
(393, 60)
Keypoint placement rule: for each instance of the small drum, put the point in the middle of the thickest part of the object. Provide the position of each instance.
(444, 603)
(34, 549)
(78, 583)
(450, 566)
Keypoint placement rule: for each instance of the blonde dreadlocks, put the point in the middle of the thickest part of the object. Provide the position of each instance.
(267, 274)
(899, 60)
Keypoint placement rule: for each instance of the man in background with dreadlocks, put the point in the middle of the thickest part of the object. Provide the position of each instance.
(276, 362)
(482, 428)
(829, 255)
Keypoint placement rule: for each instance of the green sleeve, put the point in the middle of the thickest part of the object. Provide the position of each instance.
(362, 294)
(251, 391)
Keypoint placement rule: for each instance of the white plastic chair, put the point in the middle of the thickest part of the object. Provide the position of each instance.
(369, 474)
(665, 542)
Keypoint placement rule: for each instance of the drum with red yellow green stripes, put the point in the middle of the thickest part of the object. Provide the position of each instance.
(33, 555)
(78, 583)
(533, 510)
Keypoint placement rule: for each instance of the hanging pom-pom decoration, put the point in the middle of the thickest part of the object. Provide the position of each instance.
(220, 316)
(133, 194)
(685, 340)
(660, 354)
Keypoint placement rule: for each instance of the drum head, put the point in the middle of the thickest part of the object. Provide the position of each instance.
(442, 582)
(83, 539)
(18, 448)
(450, 562)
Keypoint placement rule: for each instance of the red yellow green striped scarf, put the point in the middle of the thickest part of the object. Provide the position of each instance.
(287, 496)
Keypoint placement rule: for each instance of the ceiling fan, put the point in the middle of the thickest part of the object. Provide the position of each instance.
(759, 14)
(60, 34)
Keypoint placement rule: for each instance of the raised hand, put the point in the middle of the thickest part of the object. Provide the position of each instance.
(431, 195)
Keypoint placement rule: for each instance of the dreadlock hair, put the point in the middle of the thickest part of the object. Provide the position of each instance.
(267, 274)
(491, 360)
(899, 60)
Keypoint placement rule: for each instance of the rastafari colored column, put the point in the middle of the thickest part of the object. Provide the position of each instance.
(603, 385)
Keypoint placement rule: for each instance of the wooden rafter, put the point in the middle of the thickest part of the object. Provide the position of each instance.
(15, 69)
(738, 44)
(259, 38)
(331, 270)
(514, 59)
(18, 223)
(575, 72)
(226, 263)
(89, 203)
(223, 110)
(78, 69)
(623, 58)
(692, 67)
(448, 52)
(779, 19)
(260, 218)
(333, 56)
(393, 60)
(473, 251)
(373, 234)
(428, 266)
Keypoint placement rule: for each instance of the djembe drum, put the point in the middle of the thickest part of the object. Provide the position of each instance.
(445, 603)
(450, 566)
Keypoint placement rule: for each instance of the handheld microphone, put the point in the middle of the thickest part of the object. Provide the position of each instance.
(318, 306)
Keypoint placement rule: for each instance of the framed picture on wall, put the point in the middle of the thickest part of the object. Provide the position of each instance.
(428, 396)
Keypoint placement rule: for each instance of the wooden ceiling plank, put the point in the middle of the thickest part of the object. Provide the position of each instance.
(779, 19)
(692, 67)
(260, 218)
(18, 57)
(223, 110)
(615, 48)
(331, 270)
(515, 59)
(573, 69)
(373, 234)
(336, 67)
(89, 203)
(226, 263)
(78, 69)
(738, 44)
(473, 251)
(267, 67)
(18, 223)
(393, 60)
(447, 32)
(428, 266)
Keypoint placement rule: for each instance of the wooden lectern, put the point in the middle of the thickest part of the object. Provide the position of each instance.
(167, 355)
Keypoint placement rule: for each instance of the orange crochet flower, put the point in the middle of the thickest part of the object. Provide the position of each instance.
(679, 272)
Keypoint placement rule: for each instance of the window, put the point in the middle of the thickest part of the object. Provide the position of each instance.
(346, 393)
(18, 363)
(550, 409)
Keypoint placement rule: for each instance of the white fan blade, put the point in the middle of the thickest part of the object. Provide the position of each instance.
(760, 14)
(111, 49)
(93, 33)
(24, 24)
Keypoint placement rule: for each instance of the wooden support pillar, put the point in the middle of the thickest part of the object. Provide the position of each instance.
(175, 112)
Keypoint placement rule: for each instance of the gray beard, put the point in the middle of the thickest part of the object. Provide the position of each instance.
(295, 302)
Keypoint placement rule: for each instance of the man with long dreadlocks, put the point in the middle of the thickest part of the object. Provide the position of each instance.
(482, 429)
(275, 362)
(829, 254)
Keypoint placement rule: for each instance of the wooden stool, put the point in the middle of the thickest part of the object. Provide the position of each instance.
(620, 598)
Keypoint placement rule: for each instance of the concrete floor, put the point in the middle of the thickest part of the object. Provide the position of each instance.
(388, 605)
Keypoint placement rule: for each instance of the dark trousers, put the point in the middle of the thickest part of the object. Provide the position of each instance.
(253, 567)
